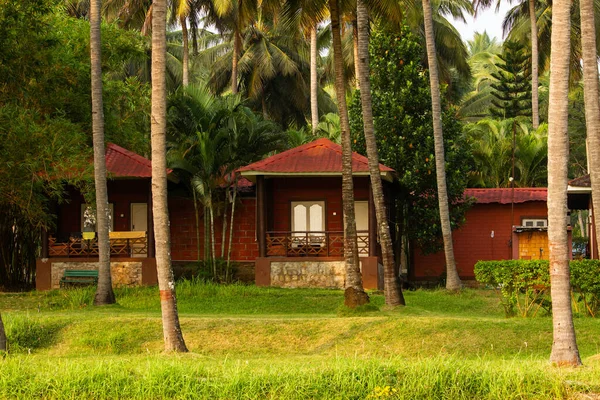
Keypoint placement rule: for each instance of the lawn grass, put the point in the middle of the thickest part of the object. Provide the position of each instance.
(249, 342)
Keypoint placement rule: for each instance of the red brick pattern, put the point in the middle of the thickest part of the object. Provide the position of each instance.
(474, 241)
(121, 193)
(286, 190)
(183, 231)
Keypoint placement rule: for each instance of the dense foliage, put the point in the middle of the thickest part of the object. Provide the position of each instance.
(45, 118)
(524, 285)
(404, 133)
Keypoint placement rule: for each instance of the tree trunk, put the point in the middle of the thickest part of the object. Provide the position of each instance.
(355, 51)
(166, 282)
(314, 80)
(212, 240)
(564, 345)
(186, 51)
(592, 105)
(582, 224)
(237, 48)
(224, 230)
(194, 32)
(206, 218)
(452, 279)
(3, 346)
(104, 292)
(231, 223)
(355, 294)
(535, 112)
(392, 288)
(197, 223)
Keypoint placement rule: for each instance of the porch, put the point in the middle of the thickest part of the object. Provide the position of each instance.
(72, 242)
(300, 219)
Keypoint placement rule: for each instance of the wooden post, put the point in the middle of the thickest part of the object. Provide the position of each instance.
(372, 224)
(261, 227)
(150, 224)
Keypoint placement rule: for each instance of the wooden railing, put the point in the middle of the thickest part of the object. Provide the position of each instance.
(122, 244)
(312, 244)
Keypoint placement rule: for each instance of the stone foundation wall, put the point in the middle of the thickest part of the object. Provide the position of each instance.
(124, 273)
(296, 274)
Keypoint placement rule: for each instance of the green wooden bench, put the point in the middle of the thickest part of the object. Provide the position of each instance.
(79, 277)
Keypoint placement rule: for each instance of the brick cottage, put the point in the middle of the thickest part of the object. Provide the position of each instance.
(287, 225)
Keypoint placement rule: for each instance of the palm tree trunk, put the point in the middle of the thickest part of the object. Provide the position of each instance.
(314, 80)
(186, 51)
(355, 51)
(452, 279)
(564, 345)
(392, 288)
(206, 218)
(3, 346)
(197, 223)
(355, 294)
(224, 230)
(104, 292)
(535, 112)
(194, 32)
(592, 105)
(166, 282)
(231, 223)
(212, 240)
(237, 48)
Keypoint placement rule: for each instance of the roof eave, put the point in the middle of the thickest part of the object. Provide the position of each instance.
(251, 175)
(578, 189)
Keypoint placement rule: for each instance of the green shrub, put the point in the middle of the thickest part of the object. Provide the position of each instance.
(585, 281)
(524, 285)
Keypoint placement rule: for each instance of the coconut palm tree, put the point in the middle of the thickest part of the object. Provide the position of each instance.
(564, 346)
(104, 291)
(355, 294)
(166, 282)
(393, 291)
(452, 279)
(483, 60)
(592, 104)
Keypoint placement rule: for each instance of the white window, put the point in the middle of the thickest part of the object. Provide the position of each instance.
(88, 219)
(308, 216)
(535, 222)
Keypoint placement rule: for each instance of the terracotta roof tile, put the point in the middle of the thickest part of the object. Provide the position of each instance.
(504, 195)
(124, 163)
(320, 156)
(582, 181)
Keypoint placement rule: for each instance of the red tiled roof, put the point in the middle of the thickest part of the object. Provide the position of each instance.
(504, 195)
(582, 181)
(124, 163)
(320, 156)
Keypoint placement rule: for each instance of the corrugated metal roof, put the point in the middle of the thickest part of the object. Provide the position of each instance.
(505, 195)
(320, 156)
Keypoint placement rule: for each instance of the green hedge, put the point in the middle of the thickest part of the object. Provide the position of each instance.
(524, 285)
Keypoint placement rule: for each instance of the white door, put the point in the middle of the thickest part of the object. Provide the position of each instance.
(139, 222)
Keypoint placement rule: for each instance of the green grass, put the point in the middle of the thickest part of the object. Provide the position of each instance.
(249, 342)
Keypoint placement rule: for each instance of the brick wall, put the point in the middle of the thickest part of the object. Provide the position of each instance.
(474, 241)
(286, 190)
(121, 193)
(183, 231)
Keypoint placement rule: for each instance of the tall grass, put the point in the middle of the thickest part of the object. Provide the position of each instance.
(189, 377)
